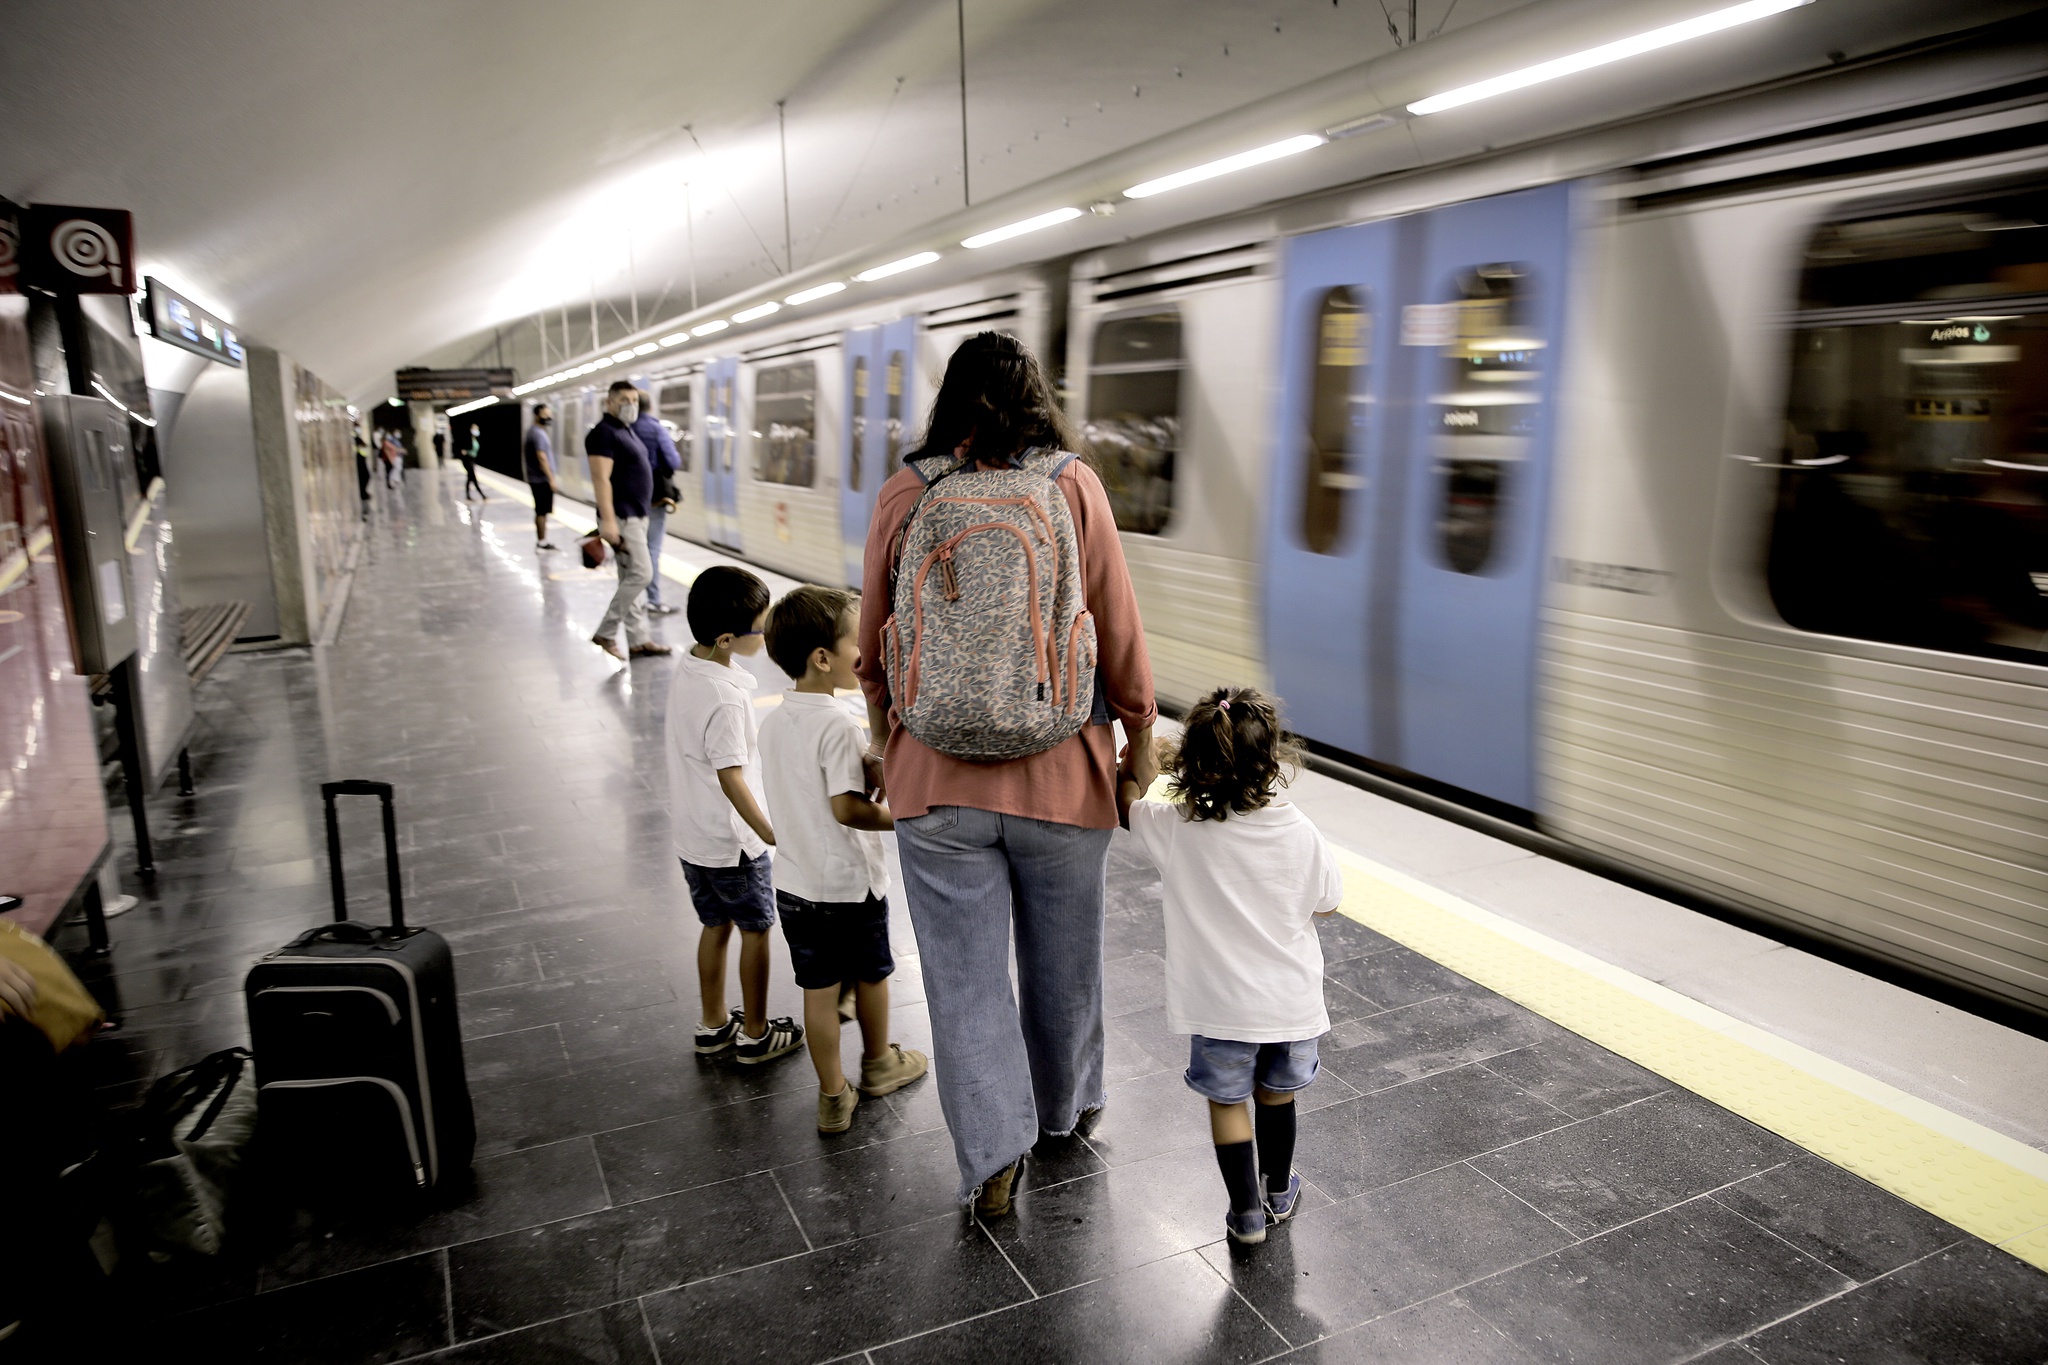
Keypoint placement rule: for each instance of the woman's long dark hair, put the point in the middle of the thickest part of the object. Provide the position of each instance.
(1233, 756)
(995, 392)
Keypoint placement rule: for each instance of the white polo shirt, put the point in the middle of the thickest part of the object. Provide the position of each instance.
(711, 726)
(1242, 958)
(810, 753)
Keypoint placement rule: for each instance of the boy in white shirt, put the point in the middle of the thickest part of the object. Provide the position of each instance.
(721, 834)
(830, 877)
(1244, 876)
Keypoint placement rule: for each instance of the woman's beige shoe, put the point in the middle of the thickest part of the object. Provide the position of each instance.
(892, 1070)
(835, 1112)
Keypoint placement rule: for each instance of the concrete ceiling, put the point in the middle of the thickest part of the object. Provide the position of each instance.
(366, 184)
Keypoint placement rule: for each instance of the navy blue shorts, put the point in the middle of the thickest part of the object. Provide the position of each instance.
(1225, 1071)
(835, 941)
(742, 895)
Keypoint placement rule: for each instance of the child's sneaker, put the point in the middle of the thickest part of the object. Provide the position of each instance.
(835, 1112)
(782, 1035)
(1280, 1207)
(710, 1040)
(1246, 1229)
(892, 1070)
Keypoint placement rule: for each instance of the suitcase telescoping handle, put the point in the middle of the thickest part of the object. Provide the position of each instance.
(382, 791)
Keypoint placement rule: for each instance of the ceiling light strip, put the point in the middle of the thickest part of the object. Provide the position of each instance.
(1004, 234)
(1258, 156)
(883, 272)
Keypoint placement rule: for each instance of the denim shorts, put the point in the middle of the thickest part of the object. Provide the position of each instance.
(835, 941)
(742, 895)
(1225, 1071)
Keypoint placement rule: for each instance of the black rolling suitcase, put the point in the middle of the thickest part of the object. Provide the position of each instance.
(358, 1051)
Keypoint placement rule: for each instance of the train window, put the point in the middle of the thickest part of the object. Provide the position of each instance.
(854, 450)
(1133, 424)
(1336, 420)
(1912, 498)
(892, 433)
(673, 408)
(1486, 409)
(785, 423)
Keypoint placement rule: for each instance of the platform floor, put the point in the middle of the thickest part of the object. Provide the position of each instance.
(1484, 1185)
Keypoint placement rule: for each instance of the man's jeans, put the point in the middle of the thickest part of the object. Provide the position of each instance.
(631, 553)
(1008, 1067)
(657, 532)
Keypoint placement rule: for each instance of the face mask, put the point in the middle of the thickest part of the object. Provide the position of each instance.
(629, 413)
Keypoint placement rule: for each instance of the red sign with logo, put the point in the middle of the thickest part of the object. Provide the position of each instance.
(70, 250)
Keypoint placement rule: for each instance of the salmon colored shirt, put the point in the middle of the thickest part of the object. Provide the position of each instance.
(1073, 783)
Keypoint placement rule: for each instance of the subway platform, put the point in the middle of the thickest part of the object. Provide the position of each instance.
(1559, 1120)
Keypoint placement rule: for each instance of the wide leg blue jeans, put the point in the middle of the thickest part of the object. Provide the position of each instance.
(1009, 1065)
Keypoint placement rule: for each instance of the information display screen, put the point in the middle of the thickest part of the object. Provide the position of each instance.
(181, 322)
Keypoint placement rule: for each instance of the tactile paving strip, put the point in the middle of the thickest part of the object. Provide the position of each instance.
(1985, 1183)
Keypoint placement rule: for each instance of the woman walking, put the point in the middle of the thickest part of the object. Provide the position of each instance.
(1000, 759)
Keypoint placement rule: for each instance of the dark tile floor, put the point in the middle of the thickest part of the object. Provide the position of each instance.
(1483, 1186)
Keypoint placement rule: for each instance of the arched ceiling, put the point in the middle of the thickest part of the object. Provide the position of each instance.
(366, 184)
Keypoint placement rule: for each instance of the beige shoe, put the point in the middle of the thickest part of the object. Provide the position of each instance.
(992, 1200)
(835, 1112)
(892, 1070)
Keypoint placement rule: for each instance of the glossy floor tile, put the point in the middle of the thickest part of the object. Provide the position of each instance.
(1481, 1186)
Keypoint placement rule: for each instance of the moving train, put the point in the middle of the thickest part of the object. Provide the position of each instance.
(1690, 505)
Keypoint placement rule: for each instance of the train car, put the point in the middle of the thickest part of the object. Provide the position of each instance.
(1679, 487)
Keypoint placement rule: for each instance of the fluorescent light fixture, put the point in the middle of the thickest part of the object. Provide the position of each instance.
(759, 310)
(1004, 234)
(622, 355)
(883, 272)
(715, 325)
(1258, 156)
(674, 339)
(816, 291)
(646, 348)
(1605, 53)
(483, 402)
(603, 362)
(395, 401)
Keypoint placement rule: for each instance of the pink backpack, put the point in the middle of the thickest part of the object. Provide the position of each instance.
(990, 650)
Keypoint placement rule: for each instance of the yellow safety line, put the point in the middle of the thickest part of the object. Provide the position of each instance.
(519, 492)
(1982, 1181)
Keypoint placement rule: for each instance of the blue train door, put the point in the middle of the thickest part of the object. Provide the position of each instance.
(862, 474)
(1483, 348)
(721, 488)
(1327, 484)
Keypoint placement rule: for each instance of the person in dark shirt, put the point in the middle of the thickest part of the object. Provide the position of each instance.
(440, 447)
(622, 476)
(471, 448)
(537, 455)
(667, 463)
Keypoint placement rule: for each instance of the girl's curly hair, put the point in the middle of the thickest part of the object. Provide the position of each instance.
(1232, 757)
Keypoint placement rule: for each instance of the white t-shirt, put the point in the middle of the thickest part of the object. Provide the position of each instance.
(810, 753)
(1242, 958)
(711, 726)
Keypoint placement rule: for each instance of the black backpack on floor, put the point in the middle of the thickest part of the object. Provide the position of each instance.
(358, 1051)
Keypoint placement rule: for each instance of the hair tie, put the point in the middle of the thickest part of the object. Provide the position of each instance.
(1223, 705)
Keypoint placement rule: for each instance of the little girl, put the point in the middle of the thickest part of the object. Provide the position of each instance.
(1244, 875)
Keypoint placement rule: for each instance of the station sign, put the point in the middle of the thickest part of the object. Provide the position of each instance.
(420, 385)
(67, 249)
(181, 322)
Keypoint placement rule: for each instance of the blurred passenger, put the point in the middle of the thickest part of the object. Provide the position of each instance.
(391, 455)
(537, 457)
(1245, 875)
(667, 463)
(622, 477)
(363, 469)
(831, 882)
(440, 446)
(721, 833)
(1021, 841)
(471, 448)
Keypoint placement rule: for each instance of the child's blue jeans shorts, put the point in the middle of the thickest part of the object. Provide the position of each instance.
(1225, 1071)
(743, 895)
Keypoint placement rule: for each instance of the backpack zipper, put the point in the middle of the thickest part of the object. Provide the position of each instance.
(1050, 540)
(945, 552)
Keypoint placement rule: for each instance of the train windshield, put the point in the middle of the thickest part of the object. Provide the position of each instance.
(1133, 425)
(1337, 415)
(785, 423)
(673, 408)
(1486, 408)
(1912, 500)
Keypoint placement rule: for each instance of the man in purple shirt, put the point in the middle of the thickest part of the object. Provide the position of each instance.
(622, 477)
(662, 451)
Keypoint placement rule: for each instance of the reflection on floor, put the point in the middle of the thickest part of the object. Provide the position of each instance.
(1483, 1186)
